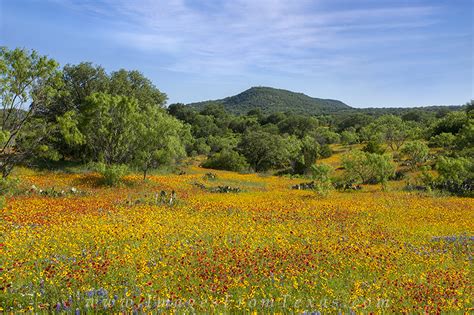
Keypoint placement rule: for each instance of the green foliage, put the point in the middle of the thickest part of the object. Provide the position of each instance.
(349, 137)
(456, 170)
(27, 81)
(455, 175)
(426, 177)
(443, 140)
(465, 139)
(109, 124)
(298, 125)
(135, 84)
(325, 151)
(451, 123)
(391, 129)
(321, 175)
(310, 152)
(265, 151)
(353, 121)
(85, 114)
(160, 140)
(326, 136)
(416, 152)
(79, 81)
(224, 142)
(374, 146)
(4, 135)
(321, 172)
(9, 186)
(270, 100)
(364, 167)
(112, 174)
(69, 128)
(200, 147)
(228, 160)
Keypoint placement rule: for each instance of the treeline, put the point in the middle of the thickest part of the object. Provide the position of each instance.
(119, 121)
(82, 113)
(384, 147)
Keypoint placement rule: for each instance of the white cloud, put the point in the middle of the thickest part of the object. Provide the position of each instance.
(235, 36)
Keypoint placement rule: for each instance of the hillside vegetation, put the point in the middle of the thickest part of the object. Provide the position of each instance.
(269, 100)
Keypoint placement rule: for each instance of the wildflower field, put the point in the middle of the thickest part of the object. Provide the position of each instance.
(267, 248)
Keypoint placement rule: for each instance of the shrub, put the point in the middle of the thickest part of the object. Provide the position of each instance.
(455, 175)
(456, 170)
(321, 172)
(349, 137)
(364, 167)
(325, 151)
(374, 146)
(416, 152)
(112, 174)
(443, 140)
(228, 160)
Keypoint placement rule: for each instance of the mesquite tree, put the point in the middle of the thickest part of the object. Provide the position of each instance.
(26, 81)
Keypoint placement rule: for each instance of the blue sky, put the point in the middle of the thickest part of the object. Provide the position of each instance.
(367, 53)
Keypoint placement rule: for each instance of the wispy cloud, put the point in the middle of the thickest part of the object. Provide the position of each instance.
(274, 35)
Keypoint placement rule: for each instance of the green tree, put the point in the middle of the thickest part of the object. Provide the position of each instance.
(160, 140)
(266, 151)
(27, 81)
(392, 129)
(443, 140)
(228, 160)
(416, 152)
(374, 145)
(79, 81)
(455, 170)
(321, 173)
(310, 152)
(109, 125)
(135, 84)
(453, 122)
(349, 137)
(364, 167)
(298, 125)
(465, 138)
(225, 142)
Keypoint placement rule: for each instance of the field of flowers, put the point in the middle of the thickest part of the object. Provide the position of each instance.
(266, 248)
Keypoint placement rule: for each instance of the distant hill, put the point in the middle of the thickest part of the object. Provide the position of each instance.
(270, 100)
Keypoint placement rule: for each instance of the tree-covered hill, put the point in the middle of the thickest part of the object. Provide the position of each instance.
(270, 100)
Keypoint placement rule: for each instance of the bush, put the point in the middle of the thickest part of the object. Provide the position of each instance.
(112, 174)
(374, 146)
(325, 151)
(364, 167)
(443, 140)
(228, 160)
(321, 173)
(456, 170)
(455, 175)
(349, 137)
(200, 147)
(416, 152)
